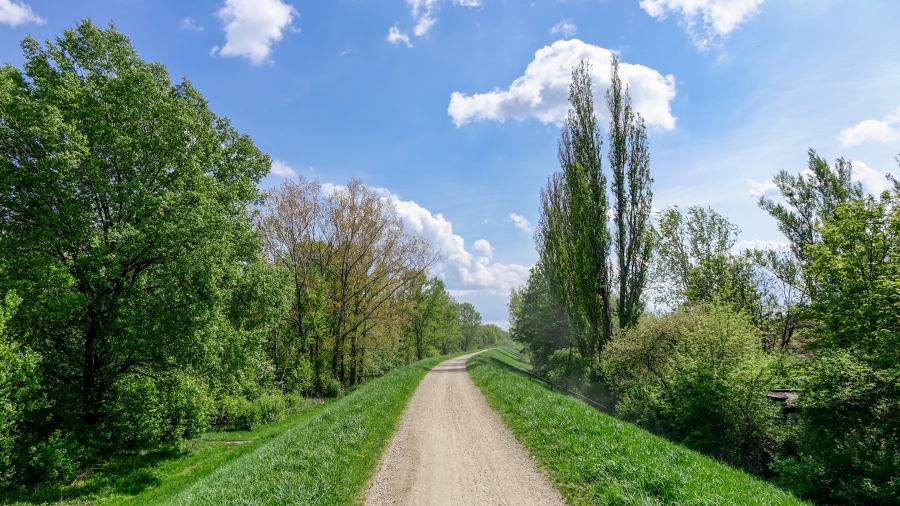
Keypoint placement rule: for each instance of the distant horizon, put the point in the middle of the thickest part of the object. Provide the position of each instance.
(453, 107)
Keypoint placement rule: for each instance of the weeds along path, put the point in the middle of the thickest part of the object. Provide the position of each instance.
(452, 449)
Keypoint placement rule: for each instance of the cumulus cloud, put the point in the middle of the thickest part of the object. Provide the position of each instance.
(520, 222)
(761, 189)
(885, 130)
(253, 26)
(282, 169)
(543, 91)
(565, 28)
(717, 18)
(395, 37)
(189, 25)
(872, 181)
(484, 247)
(460, 269)
(15, 13)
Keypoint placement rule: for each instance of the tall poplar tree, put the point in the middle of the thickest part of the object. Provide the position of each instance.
(573, 238)
(629, 161)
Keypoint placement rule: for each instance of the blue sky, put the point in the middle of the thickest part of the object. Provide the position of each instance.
(452, 105)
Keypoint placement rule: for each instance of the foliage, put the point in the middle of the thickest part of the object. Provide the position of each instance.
(573, 234)
(700, 377)
(537, 320)
(107, 168)
(850, 445)
(19, 392)
(629, 161)
(350, 262)
(596, 459)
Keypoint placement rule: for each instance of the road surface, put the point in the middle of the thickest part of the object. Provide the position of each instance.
(452, 449)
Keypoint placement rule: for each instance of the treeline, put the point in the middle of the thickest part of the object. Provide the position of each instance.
(697, 342)
(151, 292)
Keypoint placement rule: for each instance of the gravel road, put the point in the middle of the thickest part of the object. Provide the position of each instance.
(452, 449)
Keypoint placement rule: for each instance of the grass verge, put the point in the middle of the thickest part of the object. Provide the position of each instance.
(596, 459)
(325, 460)
(158, 475)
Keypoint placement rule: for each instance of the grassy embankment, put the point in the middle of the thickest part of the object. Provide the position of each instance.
(596, 459)
(323, 456)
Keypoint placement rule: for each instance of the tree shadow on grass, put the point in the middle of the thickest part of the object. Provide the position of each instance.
(127, 474)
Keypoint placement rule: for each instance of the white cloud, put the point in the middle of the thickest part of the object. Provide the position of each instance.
(15, 13)
(885, 130)
(746, 244)
(485, 247)
(423, 13)
(462, 271)
(760, 189)
(566, 28)
(872, 181)
(282, 169)
(190, 25)
(253, 26)
(520, 222)
(719, 17)
(543, 91)
(395, 37)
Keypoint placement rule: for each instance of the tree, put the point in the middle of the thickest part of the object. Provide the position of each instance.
(810, 198)
(428, 300)
(538, 320)
(684, 242)
(469, 323)
(629, 161)
(291, 223)
(123, 220)
(573, 235)
(850, 444)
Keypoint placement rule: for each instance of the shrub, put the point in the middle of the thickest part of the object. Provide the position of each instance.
(271, 408)
(19, 394)
(700, 376)
(332, 388)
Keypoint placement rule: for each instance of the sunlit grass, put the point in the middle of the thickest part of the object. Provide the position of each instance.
(596, 459)
(325, 460)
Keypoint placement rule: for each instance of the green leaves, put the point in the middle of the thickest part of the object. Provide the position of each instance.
(123, 218)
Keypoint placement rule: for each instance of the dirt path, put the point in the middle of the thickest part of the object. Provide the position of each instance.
(452, 449)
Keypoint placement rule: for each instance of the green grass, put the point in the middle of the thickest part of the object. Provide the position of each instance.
(326, 459)
(157, 476)
(324, 455)
(596, 459)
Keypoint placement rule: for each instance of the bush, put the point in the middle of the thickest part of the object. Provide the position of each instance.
(700, 377)
(849, 448)
(332, 388)
(19, 394)
(272, 408)
(567, 368)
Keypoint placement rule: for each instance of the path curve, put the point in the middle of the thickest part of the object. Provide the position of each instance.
(452, 449)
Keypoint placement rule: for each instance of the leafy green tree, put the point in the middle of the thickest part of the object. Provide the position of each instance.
(469, 323)
(573, 237)
(629, 160)
(123, 222)
(538, 320)
(490, 335)
(425, 315)
(850, 444)
(809, 198)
